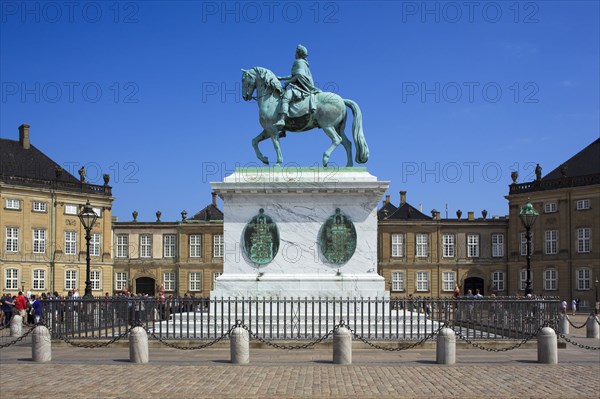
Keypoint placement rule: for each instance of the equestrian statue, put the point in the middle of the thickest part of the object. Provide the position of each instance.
(300, 107)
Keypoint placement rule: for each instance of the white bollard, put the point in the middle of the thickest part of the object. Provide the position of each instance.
(41, 345)
(138, 345)
(342, 346)
(547, 346)
(446, 347)
(240, 346)
(16, 326)
(591, 328)
(563, 324)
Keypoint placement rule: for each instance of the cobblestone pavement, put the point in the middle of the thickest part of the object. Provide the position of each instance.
(107, 373)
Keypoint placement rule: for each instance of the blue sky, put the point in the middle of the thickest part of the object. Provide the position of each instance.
(454, 95)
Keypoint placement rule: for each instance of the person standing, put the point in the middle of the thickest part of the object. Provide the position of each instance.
(36, 306)
(7, 308)
(573, 307)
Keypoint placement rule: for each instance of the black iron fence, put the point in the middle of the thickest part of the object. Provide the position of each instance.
(299, 318)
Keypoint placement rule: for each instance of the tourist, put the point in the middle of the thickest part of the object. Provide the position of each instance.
(7, 308)
(36, 306)
(573, 307)
(21, 306)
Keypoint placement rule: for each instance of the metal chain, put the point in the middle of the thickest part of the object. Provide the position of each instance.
(573, 325)
(578, 344)
(291, 347)
(476, 345)
(22, 337)
(401, 348)
(202, 346)
(87, 345)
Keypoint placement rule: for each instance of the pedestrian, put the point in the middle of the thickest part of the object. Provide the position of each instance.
(7, 308)
(563, 306)
(21, 306)
(573, 307)
(36, 307)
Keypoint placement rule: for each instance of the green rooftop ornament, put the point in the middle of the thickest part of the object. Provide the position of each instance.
(299, 107)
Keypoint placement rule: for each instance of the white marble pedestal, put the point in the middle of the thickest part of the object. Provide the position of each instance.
(300, 200)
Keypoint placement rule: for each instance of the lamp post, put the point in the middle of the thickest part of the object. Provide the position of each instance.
(528, 214)
(87, 216)
(596, 303)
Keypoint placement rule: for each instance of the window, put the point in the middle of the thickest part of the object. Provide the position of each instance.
(583, 204)
(12, 203)
(218, 246)
(169, 281)
(70, 279)
(12, 239)
(523, 279)
(551, 239)
(448, 243)
(97, 211)
(583, 239)
(523, 236)
(473, 245)
(195, 246)
(145, 246)
(398, 281)
(70, 209)
(70, 243)
(497, 245)
(11, 281)
(122, 246)
(498, 280)
(584, 278)
(39, 279)
(215, 276)
(423, 281)
(39, 206)
(195, 281)
(120, 281)
(169, 245)
(397, 245)
(550, 207)
(550, 277)
(448, 281)
(39, 241)
(95, 244)
(422, 241)
(95, 280)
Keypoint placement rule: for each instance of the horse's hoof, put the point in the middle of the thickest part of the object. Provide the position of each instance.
(265, 161)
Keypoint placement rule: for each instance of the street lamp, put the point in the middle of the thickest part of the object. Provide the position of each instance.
(88, 219)
(596, 303)
(528, 214)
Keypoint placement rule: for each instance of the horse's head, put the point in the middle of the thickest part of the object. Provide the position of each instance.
(248, 84)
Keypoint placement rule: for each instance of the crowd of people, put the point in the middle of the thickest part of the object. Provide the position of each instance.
(29, 307)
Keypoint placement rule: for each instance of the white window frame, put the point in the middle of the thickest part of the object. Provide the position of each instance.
(523, 240)
(121, 279)
(12, 203)
(169, 281)
(550, 279)
(95, 240)
(169, 245)
(71, 209)
(473, 245)
(398, 281)
(421, 245)
(70, 242)
(38, 279)
(397, 245)
(550, 207)
(39, 206)
(498, 280)
(584, 279)
(422, 281)
(584, 239)
(497, 245)
(70, 279)
(523, 279)
(448, 281)
(98, 211)
(448, 243)
(218, 246)
(11, 279)
(195, 281)
(96, 280)
(38, 237)
(12, 239)
(551, 242)
(122, 245)
(195, 241)
(145, 245)
(214, 280)
(583, 204)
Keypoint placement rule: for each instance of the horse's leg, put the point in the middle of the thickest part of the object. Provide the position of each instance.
(345, 142)
(261, 137)
(335, 141)
(275, 140)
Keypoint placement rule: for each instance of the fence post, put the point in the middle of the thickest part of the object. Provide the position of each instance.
(138, 345)
(446, 347)
(563, 323)
(16, 326)
(591, 328)
(547, 346)
(41, 345)
(240, 346)
(342, 346)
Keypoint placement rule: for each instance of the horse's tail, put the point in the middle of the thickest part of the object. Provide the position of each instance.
(362, 149)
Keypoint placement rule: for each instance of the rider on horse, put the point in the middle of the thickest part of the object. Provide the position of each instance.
(299, 84)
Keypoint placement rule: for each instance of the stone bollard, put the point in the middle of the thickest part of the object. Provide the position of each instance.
(16, 326)
(547, 346)
(138, 345)
(591, 327)
(342, 346)
(240, 346)
(41, 345)
(446, 347)
(563, 324)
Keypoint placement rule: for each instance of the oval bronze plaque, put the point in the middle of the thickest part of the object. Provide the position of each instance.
(261, 239)
(338, 238)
